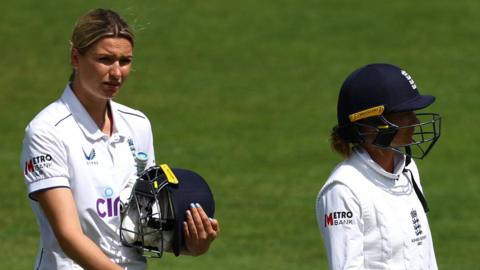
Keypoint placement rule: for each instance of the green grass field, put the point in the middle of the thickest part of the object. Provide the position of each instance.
(244, 92)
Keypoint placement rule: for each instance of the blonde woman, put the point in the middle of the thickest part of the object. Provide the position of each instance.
(78, 154)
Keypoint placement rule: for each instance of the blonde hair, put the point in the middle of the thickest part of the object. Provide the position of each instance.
(95, 25)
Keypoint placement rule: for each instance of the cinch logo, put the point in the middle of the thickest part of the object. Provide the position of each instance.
(339, 218)
(36, 164)
(89, 156)
(108, 206)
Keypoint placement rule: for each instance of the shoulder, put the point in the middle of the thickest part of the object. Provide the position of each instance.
(135, 119)
(49, 120)
(347, 182)
(347, 173)
(127, 112)
(44, 139)
(336, 189)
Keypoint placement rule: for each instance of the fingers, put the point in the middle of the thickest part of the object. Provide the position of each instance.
(186, 231)
(205, 220)
(199, 230)
(215, 225)
(203, 226)
(189, 225)
(198, 225)
(198, 216)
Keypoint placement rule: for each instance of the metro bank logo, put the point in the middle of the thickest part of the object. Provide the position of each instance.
(108, 206)
(36, 164)
(339, 218)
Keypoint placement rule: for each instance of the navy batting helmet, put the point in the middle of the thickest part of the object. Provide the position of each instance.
(375, 90)
(153, 208)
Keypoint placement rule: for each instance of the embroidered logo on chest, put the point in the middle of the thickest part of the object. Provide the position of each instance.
(90, 156)
(417, 227)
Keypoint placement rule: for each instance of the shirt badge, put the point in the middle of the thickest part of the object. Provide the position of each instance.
(90, 156)
(339, 218)
(417, 227)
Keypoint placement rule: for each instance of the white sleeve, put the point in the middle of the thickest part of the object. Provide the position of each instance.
(338, 216)
(43, 160)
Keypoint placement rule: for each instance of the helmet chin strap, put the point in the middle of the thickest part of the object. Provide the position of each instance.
(421, 198)
(408, 154)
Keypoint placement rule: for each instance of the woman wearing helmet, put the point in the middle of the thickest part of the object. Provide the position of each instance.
(371, 211)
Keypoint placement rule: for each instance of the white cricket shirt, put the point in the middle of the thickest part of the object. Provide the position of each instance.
(63, 147)
(372, 219)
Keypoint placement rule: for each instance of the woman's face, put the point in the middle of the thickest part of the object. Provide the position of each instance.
(403, 119)
(102, 70)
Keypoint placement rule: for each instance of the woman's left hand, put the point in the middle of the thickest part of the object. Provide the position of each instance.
(199, 230)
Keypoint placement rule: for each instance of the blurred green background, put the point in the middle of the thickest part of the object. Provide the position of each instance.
(244, 92)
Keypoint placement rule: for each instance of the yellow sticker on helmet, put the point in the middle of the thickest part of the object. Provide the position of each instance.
(171, 178)
(375, 111)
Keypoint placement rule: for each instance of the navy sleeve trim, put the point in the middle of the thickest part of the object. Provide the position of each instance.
(33, 199)
(63, 119)
(137, 115)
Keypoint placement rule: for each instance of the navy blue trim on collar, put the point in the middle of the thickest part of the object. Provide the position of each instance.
(40, 260)
(137, 115)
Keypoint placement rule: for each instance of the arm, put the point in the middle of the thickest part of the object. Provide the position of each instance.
(199, 231)
(339, 220)
(59, 208)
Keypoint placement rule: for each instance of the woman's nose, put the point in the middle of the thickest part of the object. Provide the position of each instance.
(115, 70)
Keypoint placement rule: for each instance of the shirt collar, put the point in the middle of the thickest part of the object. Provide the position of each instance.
(83, 118)
(398, 161)
(118, 123)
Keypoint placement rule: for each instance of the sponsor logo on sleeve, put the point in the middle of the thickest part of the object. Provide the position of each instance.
(37, 164)
(339, 218)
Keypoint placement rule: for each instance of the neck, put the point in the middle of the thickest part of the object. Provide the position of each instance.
(98, 109)
(382, 157)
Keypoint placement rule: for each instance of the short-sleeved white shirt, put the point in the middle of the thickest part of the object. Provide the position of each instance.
(373, 219)
(63, 147)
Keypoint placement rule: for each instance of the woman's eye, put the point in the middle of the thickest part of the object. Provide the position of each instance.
(125, 62)
(105, 60)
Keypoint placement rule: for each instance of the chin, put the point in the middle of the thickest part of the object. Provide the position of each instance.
(110, 93)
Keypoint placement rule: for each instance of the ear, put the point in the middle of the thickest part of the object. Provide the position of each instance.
(74, 58)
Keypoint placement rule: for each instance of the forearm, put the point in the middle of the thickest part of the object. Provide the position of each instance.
(59, 208)
(86, 253)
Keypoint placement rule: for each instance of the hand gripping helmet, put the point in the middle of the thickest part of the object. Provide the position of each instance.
(153, 207)
(375, 90)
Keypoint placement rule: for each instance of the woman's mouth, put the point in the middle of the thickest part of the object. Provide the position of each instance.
(111, 87)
